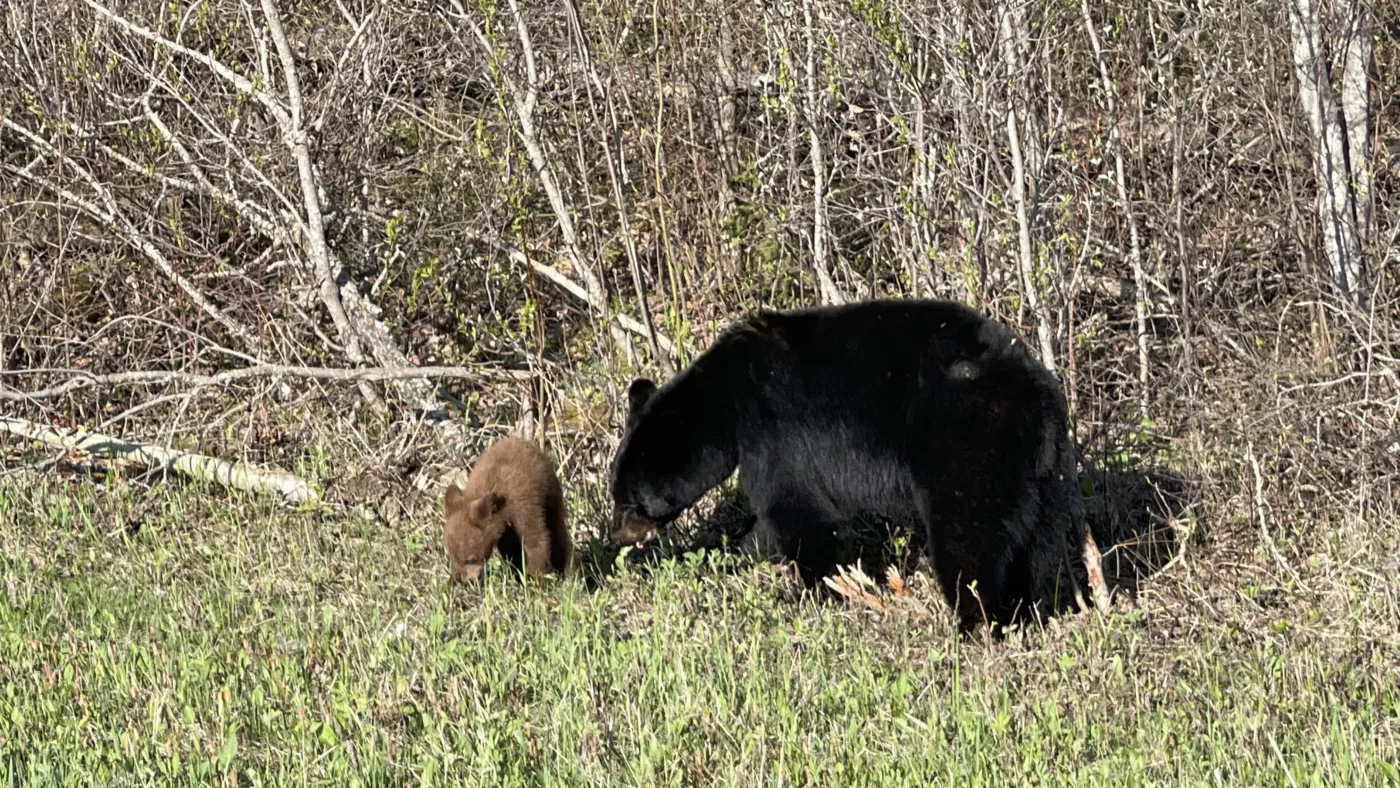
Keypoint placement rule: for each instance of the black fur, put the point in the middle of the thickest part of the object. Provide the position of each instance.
(920, 411)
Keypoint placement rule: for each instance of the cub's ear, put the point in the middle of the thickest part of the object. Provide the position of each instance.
(638, 394)
(487, 505)
(454, 499)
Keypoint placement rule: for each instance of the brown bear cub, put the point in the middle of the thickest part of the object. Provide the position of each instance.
(512, 502)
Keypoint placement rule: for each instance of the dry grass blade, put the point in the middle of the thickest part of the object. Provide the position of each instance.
(855, 586)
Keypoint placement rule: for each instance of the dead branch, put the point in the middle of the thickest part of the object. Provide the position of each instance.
(1261, 513)
(523, 102)
(573, 288)
(110, 216)
(238, 475)
(82, 380)
(1093, 567)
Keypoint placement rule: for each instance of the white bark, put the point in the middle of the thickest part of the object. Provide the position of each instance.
(1337, 168)
(294, 133)
(830, 293)
(242, 476)
(1356, 110)
(1011, 62)
(1023, 236)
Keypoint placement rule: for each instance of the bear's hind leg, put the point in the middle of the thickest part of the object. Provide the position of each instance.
(538, 554)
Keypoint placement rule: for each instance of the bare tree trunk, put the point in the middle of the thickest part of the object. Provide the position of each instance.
(829, 291)
(1339, 136)
(1011, 61)
(1356, 111)
(295, 133)
(1023, 234)
(728, 109)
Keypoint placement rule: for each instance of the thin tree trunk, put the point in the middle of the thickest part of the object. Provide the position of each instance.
(1011, 62)
(1337, 184)
(1023, 236)
(829, 291)
(1356, 112)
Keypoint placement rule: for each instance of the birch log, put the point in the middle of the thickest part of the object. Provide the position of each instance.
(238, 475)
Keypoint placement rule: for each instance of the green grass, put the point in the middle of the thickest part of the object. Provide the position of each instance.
(228, 637)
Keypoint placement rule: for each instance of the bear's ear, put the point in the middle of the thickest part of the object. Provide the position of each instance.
(638, 394)
(487, 505)
(454, 499)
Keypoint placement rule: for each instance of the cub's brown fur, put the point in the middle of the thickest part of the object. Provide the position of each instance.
(513, 503)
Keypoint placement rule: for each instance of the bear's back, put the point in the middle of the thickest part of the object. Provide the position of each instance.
(887, 355)
(517, 469)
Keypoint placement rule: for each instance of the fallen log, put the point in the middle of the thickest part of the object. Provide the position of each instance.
(237, 475)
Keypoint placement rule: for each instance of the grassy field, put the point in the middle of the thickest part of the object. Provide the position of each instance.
(168, 635)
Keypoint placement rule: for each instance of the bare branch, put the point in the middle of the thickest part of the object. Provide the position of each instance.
(523, 100)
(240, 82)
(117, 223)
(241, 476)
(83, 380)
(1134, 245)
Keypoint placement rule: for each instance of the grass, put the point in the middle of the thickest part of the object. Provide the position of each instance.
(168, 635)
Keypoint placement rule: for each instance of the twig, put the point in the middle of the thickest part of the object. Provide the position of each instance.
(83, 380)
(1023, 224)
(118, 223)
(242, 476)
(1121, 182)
(295, 134)
(1261, 512)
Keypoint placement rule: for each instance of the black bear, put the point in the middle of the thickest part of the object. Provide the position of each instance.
(513, 503)
(921, 411)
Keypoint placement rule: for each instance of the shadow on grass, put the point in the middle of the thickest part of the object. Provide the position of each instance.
(1138, 512)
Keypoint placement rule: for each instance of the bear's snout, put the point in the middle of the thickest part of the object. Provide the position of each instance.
(630, 527)
(467, 572)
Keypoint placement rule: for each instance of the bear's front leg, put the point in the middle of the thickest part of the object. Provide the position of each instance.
(973, 582)
(805, 535)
